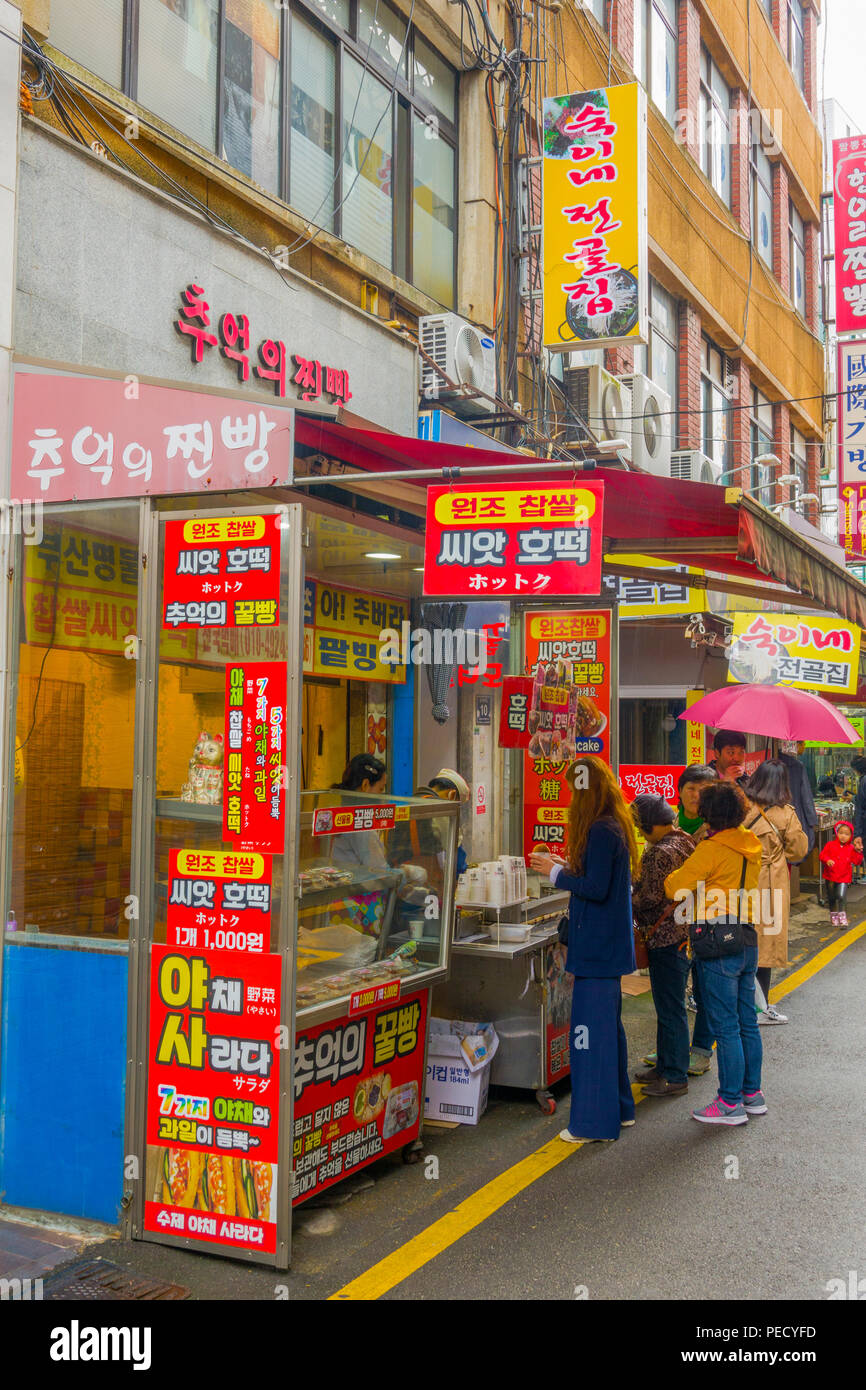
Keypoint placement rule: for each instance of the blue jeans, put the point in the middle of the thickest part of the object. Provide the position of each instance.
(728, 990)
(668, 968)
(703, 1036)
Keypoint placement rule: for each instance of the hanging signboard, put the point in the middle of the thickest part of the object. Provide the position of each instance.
(811, 653)
(594, 219)
(514, 540)
(849, 220)
(218, 900)
(222, 572)
(213, 1098)
(514, 712)
(80, 438)
(696, 734)
(254, 794)
(358, 1092)
(343, 631)
(570, 705)
(346, 820)
(851, 445)
(644, 597)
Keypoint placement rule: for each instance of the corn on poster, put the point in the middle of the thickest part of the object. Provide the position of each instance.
(594, 221)
(794, 649)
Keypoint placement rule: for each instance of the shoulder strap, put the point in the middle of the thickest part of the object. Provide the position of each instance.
(740, 891)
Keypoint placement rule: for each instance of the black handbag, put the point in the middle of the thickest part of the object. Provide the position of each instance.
(562, 931)
(723, 936)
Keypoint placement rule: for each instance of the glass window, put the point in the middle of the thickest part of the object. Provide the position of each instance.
(797, 235)
(337, 11)
(663, 342)
(662, 61)
(367, 163)
(312, 174)
(177, 64)
(597, 8)
(798, 463)
(714, 106)
(641, 18)
(433, 221)
(435, 82)
(251, 91)
(762, 488)
(91, 32)
(715, 403)
(796, 41)
(762, 205)
(382, 34)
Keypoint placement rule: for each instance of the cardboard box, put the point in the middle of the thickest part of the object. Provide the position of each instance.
(458, 1070)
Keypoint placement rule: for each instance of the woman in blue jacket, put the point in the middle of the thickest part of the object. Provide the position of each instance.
(602, 855)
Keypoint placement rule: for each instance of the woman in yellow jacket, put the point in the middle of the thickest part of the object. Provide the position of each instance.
(706, 887)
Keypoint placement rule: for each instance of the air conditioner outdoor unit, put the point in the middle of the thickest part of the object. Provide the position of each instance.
(602, 404)
(650, 426)
(466, 355)
(693, 466)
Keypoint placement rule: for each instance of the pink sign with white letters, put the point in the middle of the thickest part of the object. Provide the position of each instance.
(88, 438)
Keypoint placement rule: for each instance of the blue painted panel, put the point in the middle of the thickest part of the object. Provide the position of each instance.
(63, 1065)
(403, 736)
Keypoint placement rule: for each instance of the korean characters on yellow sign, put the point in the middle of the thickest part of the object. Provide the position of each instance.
(342, 632)
(794, 649)
(594, 230)
(641, 596)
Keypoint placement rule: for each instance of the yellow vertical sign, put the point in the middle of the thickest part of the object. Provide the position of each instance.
(695, 733)
(594, 218)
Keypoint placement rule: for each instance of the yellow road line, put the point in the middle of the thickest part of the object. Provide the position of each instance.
(429, 1243)
(799, 977)
(455, 1224)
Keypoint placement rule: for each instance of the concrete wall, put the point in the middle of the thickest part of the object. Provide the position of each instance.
(102, 259)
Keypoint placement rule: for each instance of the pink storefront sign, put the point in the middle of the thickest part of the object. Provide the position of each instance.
(79, 438)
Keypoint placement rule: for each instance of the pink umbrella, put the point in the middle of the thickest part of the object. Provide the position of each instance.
(777, 711)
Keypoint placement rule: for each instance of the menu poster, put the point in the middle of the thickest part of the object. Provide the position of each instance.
(222, 572)
(358, 1092)
(569, 655)
(218, 900)
(213, 1097)
(254, 793)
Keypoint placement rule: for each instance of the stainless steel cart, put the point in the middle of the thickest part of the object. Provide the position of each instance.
(522, 989)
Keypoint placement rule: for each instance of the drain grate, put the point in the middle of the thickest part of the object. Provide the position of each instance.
(102, 1281)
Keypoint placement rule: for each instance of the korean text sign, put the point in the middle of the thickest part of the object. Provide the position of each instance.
(795, 649)
(653, 779)
(358, 1092)
(346, 820)
(571, 653)
(851, 431)
(342, 630)
(644, 597)
(514, 540)
(594, 229)
(222, 571)
(849, 215)
(218, 900)
(254, 796)
(84, 438)
(213, 1097)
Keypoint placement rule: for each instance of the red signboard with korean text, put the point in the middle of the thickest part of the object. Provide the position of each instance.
(213, 1097)
(849, 216)
(569, 655)
(79, 438)
(218, 901)
(514, 540)
(254, 795)
(222, 571)
(514, 712)
(346, 820)
(650, 779)
(359, 1092)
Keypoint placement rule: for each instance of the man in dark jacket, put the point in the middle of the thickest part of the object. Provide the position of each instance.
(801, 794)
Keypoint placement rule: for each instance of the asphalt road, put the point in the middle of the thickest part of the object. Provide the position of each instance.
(771, 1210)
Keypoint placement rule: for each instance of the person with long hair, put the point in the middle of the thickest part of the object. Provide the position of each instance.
(602, 855)
(784, 841)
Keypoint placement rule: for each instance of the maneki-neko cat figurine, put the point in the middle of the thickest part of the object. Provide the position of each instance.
(204, 785)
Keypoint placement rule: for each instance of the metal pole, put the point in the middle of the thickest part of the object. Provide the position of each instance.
(447, 475)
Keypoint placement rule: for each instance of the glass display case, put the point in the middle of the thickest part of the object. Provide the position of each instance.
(376, 879)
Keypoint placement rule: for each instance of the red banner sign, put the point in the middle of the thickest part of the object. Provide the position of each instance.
(569, 655)
(218, 901)
(849, 215)
(514, 540)
(514, 712)
(213, 1097)
(222, 571)
(364, 1000)
(652, 779)
(84, 438)
(345, 820)
(359, 1092)
(254, 795)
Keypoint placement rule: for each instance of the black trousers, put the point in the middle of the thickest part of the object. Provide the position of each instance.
(836, 896)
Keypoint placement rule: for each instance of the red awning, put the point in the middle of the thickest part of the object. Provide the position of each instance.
(712, 528)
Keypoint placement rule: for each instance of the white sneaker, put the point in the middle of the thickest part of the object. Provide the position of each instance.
(568, 1138)
(772, 1015)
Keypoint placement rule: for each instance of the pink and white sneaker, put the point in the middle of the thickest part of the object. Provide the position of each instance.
(718, 1112)
(843, 919)
(834, 919)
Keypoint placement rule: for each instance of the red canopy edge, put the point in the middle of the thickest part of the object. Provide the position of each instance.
(749, 541)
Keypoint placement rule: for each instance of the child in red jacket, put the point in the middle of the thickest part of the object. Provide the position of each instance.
(839, 857)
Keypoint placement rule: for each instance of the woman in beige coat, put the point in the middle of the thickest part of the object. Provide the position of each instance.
(783, 840)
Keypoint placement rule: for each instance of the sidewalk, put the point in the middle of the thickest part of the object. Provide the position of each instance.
(30, 1252)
